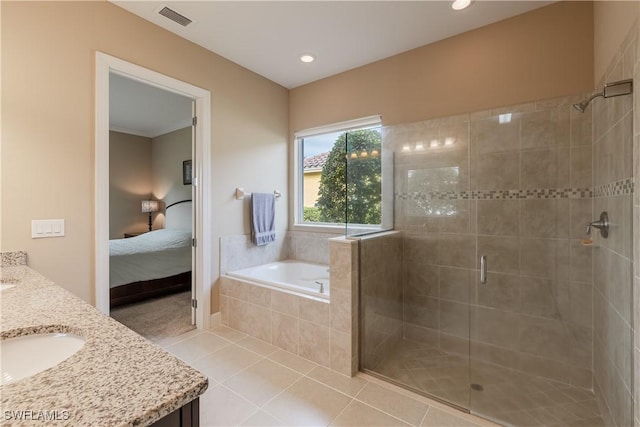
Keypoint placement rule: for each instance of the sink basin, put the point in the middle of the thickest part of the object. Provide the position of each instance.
(24, 356)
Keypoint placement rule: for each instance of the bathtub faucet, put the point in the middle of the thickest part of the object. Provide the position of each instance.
(321, 286)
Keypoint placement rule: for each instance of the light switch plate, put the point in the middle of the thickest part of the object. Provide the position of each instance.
(41, 228)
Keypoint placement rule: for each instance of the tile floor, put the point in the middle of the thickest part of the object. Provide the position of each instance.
(252, 383)
(512, 397)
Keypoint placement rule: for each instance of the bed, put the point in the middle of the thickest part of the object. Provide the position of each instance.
(154, 263)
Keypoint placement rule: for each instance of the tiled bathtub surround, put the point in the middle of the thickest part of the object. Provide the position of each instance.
(310, 246)
(613, 257)
(321, 331)
(238, 252)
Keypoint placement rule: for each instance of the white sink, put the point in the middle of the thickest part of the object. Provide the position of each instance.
(24, 356)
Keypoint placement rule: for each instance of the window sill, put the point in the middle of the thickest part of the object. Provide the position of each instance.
(356, 229)
(320, 228)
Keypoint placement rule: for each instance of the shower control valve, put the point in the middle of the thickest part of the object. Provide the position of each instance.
(602, 224)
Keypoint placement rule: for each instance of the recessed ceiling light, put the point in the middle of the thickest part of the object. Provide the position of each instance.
(307, 58)
(460, 4)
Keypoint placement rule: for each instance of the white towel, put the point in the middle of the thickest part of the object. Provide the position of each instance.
(263, 218)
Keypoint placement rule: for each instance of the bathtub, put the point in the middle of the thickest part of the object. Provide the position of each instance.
(289, 276)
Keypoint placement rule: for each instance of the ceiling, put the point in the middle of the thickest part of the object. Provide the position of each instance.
(268, 37)
(140, 109)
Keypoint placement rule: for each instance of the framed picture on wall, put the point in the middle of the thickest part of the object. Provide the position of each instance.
(187, 172)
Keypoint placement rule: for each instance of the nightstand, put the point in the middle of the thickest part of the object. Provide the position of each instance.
(134, 234)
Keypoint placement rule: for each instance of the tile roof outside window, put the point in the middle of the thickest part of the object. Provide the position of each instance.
(316, 162)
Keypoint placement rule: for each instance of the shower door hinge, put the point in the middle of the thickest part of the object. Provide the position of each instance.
(194, 303)
(194, 121)
(194, 243)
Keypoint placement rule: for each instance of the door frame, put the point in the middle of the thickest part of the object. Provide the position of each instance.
(106, 64)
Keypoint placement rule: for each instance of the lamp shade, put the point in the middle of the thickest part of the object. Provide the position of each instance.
(149, 206)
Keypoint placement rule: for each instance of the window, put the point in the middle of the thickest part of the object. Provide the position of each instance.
(339, 175)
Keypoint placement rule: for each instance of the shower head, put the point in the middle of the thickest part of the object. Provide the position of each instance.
(581, 106)
(623, 87)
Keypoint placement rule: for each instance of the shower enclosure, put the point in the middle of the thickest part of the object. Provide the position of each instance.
(484, 294)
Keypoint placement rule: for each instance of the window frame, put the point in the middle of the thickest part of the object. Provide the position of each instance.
(298, 175)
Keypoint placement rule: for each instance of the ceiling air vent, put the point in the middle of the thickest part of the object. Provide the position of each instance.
(175, 16)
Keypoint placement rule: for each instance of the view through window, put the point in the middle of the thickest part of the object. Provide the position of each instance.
(341, 179)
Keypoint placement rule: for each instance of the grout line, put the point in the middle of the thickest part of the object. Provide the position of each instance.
(221, 337)
(208, 354)
(424, 417)
(340, 412)
(278, 395)
(391, 415)
(253, 351)
(248, 366)
(327, 385)
(294, 370)
(228, 390)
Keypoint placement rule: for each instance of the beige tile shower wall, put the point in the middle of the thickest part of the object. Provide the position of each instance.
(518, 192)
(316, 330)
(381, 297)
(636, 242)
(636, 230)
(613, 257)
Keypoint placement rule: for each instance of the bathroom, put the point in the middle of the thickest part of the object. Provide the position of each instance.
(542, 291)
(529, 178)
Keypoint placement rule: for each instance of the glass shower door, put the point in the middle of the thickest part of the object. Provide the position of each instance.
(548, 326)
(531, 333)
(415, 323)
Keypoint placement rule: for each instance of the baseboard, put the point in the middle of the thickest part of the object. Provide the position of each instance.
(216, 320)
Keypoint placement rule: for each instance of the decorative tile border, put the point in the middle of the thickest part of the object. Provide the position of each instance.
(545, 193)
(617, 188)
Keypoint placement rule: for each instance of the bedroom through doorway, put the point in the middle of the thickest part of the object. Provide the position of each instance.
(151, 208)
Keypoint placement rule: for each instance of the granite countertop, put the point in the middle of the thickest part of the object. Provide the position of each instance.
(117, 378)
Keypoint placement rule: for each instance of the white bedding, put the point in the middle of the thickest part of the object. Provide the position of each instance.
(153, 255)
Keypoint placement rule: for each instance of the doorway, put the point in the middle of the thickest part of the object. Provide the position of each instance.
(150, 208)
(188, 211)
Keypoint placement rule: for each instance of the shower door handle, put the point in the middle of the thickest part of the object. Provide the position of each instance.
(483, 269)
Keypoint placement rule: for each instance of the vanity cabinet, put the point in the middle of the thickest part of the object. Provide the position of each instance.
(186, 416)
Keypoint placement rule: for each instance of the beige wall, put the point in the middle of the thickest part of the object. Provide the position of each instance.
(168, 151)
(48, 55)
(612, 21)
(129, 182)
(542, 54)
